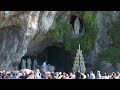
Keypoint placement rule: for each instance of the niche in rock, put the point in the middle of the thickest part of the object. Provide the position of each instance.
(79, 22)
(59, 58)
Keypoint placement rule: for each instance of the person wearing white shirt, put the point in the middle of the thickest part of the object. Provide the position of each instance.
(98, 76)
(105, 76)
(37, 76)
(92, 75)
(44, 66)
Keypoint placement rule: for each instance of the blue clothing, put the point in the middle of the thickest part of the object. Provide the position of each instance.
(98, 76)
(44, 66)
(14, 77)
(40, 76)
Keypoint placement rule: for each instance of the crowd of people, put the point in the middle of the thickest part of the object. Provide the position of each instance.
(37, 74)
(45, 73)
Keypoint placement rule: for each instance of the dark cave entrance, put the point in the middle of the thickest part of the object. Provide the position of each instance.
(72, 20)
(55, 56)
(60, 58)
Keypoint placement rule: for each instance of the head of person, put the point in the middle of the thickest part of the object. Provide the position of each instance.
(114, 74)
(77, 74)
(64, 73)
(45, 61)
(98, 72)
(50, 77)
(88, 75)
(70, 76)
(37, 71)
(70, 73)
(91, 72)
(117, 73)
(81, 76)
(104, 74)
(73, 73)
(31, 73)
(24, 74)
(59, 75)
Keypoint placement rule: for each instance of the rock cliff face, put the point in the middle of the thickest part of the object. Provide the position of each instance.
(23, 32)
(26, 33)
(105, 20)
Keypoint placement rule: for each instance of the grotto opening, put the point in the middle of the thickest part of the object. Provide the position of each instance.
(55, 56)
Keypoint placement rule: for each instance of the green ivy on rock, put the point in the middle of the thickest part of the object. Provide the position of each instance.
(88, 39)
(111, 55)
(114, 32)
(61, 30)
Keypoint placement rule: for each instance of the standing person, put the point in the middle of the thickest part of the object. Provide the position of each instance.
(44, 66)
(23, 76)
(87, 76)
(31, 75)
(14, 76)
(92, 75)
(73, 75)
(77, 75)
(117, 76)
(105, 76)
(37, 74)
(98, 76)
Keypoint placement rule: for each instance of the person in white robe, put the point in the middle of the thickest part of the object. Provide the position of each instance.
(37, 74)
(98, 76)
(105, 76)
(44, 66)
(92, 75)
